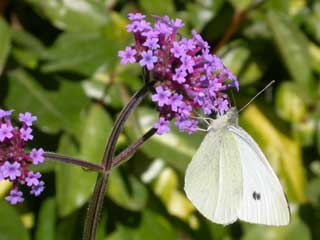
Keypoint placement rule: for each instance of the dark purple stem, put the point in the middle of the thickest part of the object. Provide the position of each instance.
(96, 202)
(75, 161)
(121, 157)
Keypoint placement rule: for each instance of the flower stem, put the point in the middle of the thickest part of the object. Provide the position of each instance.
(75, 161)
(96, 202)
(121, 157)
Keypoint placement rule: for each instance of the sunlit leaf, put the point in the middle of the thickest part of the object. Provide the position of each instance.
(290, 106)
(80, 15)
(241, 4)
(239, 59)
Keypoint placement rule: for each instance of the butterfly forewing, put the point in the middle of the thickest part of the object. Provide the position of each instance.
(213, 180)
(263, 201)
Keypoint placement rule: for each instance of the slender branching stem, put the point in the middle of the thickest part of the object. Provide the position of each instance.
(121, 157)
(96, 202)
(66, 159)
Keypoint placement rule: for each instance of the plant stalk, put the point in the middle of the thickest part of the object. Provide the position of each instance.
(96, 202)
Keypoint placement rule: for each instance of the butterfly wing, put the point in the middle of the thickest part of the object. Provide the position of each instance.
(263, 201)
(213, 180)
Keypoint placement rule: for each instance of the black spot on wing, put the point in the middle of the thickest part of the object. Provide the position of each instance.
(256, 196)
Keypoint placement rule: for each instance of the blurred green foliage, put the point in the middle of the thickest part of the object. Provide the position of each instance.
(58, 60)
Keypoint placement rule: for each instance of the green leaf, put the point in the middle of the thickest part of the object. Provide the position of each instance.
(318, 135)
(240, 5)
(313, 191)
(314, 51)
(128, 192)
(27, 49)
(290, 106)
(80, 15)
(156, 227)
(292, 46)
(296, 230)
(123, 233)
(46, 227)
(97, 90)
(68, 227)
(83, 53)
(312, 21)
(5, 40)
(57, 108)
(239, 59)
(11, 227)
(175, 148)
(199, 13)
(74, 184)
(158, 7)
(95, 134)
(152, 226)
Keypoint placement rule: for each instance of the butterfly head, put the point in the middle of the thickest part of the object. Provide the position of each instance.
(229, 118)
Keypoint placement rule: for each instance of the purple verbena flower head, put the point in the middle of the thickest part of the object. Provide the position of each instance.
(188, 78)
(14, 160)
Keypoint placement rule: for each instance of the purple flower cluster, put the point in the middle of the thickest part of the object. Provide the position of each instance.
(188, 78)
(14, 160)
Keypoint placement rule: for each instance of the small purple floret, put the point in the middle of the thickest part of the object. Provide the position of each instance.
(33, 179)
(148, 59)
(26, 134)
(37, 189)
(162, 126)
(11, 171)
(127, 55)
(27, 118)
(37, 156)
(161, 96)
(14, 197)
(5, 132)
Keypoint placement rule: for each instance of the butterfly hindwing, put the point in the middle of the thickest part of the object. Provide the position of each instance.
(263, 201)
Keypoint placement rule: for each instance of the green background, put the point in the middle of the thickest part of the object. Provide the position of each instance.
(58, 60)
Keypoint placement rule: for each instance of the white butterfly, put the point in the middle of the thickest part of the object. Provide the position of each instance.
(229, 178)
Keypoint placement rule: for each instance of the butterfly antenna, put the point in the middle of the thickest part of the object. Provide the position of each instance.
(272, 82)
